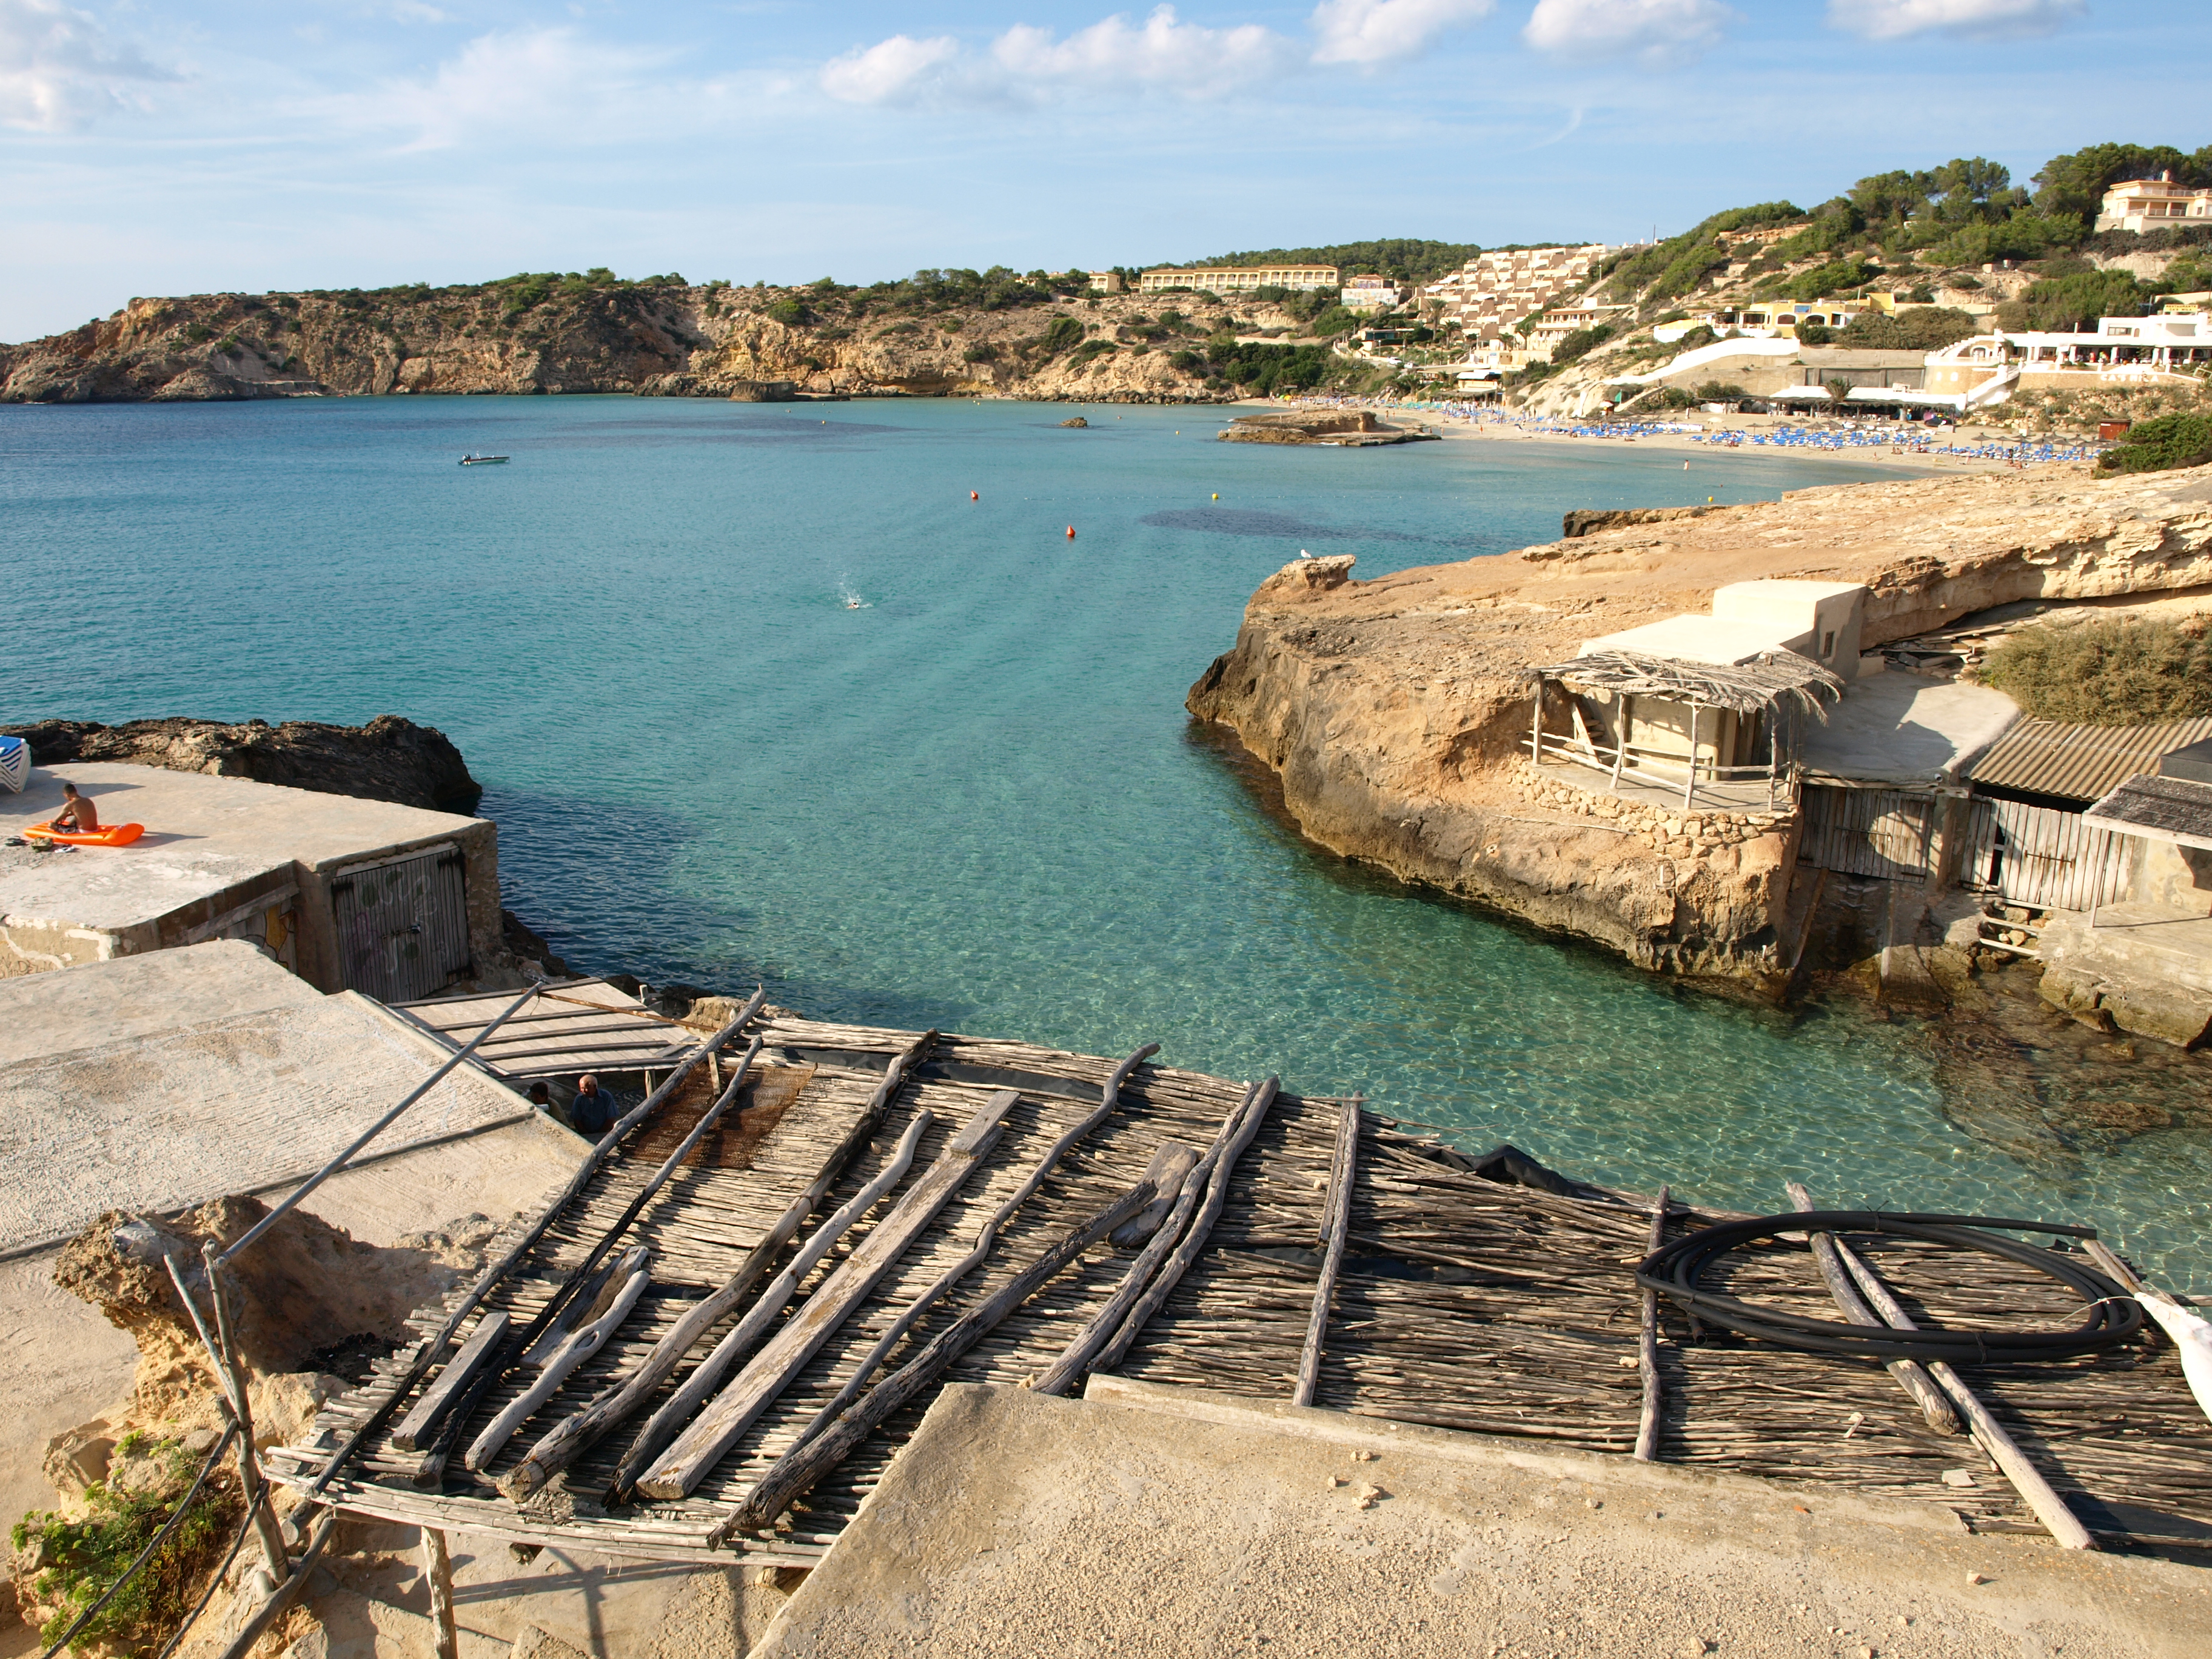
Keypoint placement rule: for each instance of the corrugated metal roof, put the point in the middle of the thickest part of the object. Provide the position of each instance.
(2081, 762)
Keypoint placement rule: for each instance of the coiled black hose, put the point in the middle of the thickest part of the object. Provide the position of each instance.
(1674, 1272)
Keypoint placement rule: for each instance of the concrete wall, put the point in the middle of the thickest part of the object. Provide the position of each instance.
(2178, 879)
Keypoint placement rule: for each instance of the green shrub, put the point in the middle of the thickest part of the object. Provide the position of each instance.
(1719, 392)
(1186, 361)
(81, 1557)
(227, 345)
(1579, 343)
(1821, 280)
(2119, 673)
(1814, 334)
(197, 332)
(1064, 334)
(983, 353)
(1702, 335)
(1916, 328)
(787, 310)
(2158, 445)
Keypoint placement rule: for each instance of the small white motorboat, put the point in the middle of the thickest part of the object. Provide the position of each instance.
(473, 459)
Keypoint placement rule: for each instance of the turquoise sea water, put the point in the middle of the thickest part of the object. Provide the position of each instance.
(973, 800)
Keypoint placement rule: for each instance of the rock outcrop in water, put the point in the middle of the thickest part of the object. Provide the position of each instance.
(661, 337)
(388, 759)
(1394, 710)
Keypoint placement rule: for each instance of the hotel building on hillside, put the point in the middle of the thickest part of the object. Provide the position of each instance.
(2150, 204)
(1236, 279)
(1490, 295)
(1555, 325)
(1371, 294)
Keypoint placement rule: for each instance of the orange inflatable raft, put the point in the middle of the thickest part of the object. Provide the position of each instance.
(114, 835)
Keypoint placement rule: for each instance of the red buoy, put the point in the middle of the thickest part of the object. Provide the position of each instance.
(1071, 532)
(973, 497)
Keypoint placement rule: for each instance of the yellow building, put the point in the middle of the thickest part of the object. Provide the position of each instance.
(1237, 279)
(2149, 203)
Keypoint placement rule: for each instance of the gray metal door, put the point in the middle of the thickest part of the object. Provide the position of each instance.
(403, 927)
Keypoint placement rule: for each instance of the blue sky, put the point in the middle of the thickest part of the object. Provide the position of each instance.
(194, 145)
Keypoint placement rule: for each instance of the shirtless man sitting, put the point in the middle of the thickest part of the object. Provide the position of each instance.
(78, 814)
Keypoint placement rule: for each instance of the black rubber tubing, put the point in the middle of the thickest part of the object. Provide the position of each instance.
(2114, 1318)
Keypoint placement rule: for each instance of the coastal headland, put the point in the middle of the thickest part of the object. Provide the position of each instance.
(1397, 712)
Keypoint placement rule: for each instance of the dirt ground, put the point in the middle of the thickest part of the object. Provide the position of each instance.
(1178, 1521)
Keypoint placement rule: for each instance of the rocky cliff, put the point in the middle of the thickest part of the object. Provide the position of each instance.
(1394, 710)
(662, 337)
(388, 759)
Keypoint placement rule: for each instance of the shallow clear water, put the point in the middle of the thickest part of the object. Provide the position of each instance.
(973, 800)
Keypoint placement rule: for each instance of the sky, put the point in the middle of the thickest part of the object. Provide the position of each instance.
(190, 146)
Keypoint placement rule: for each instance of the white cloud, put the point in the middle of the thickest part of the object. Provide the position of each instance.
(1893, 19)
(1165, 53)
(539, 85)
(59, 69)
(899, 71)
(1385, 31)
(1029, 65)
(1657, 33)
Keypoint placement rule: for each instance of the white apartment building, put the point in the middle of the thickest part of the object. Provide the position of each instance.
(1490, 295)
(1555, 325)
(1371, 294)
(2149, 203)
(1237, 279)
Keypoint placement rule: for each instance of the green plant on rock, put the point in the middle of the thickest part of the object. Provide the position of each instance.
(76, 1561)
(1065, 335)
(2160, 445)
(2120, 673)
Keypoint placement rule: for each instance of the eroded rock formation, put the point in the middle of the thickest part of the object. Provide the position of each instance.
(388, 759)
(1394, 710)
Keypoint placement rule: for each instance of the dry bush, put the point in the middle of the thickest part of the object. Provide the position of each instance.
(2116, 672)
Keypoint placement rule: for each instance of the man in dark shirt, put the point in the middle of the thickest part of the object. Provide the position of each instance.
(592, 1111)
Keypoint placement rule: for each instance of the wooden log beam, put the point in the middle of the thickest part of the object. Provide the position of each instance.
(1647, 1348)
(634, 1275)
(668, 1422)
(1910, 1376)
(1188, 1247)
(2041, 1498)
(438, 1399)
(1336, 1226)
(798, 1469)
(570, 1439)
(700, 1447)
(433, 1465)
(1084, 1347)
(434, 1350)
(1171, 1161)
(1171, 1154)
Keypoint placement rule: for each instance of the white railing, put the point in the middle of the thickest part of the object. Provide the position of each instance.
(1635, 762)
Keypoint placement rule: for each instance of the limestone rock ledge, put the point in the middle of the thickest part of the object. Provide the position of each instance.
(1394, 714)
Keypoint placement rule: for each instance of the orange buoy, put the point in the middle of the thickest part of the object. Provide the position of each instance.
(973, 497)
(1071, 532)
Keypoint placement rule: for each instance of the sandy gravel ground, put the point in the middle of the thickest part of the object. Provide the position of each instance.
(1018, 1525)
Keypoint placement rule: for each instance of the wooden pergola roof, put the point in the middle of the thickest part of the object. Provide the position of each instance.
(571, 1027)
(1780, 677)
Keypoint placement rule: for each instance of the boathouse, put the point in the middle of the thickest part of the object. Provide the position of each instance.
(349, 894)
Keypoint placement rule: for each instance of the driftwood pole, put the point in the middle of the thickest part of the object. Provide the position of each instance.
(249, 1483)
(570, 1438)
(1647, 1348)
(2061, 1523)
(701, 1445)
(1910, 1376)
(798, 1470)
(438, 1574)
(1336, 1226)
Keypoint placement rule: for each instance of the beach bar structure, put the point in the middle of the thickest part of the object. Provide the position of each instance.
(1715, 705)
(715, 1337)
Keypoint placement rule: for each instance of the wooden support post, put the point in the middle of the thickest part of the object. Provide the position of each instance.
(1336, 1226)
(1690, 783)
(798, 1470)
(1620, 736)
(2061, 1523)
(1536, 734)
(1910, 1375)
(770, 1371)
(438, 1574)
(289, 1583)
(266, 1530)
(1647, 1348)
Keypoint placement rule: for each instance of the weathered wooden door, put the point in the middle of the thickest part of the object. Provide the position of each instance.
(403, 927)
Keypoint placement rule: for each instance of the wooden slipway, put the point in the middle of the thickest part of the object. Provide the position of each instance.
(1457, 1301)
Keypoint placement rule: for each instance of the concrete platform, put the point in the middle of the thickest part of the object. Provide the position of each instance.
(1145, 1520)
(1899, 729)
(2147, 969)
(219, 854)
(106, 1111)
